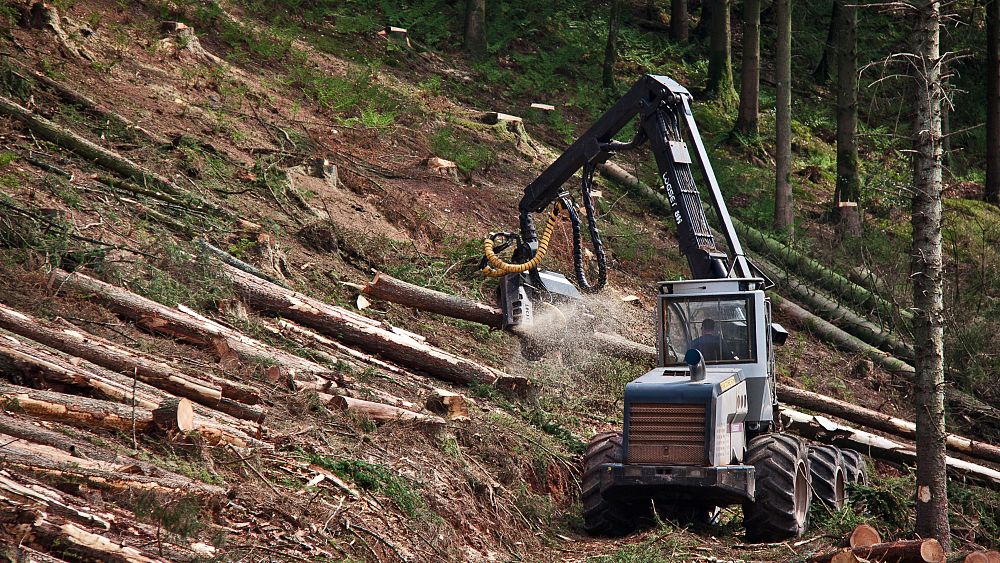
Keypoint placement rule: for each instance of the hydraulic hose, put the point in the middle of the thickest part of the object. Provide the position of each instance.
(496, 267)
(595, 236)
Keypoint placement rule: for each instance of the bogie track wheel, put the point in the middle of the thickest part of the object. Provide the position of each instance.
(782, 481)
(828, 479)
(603, 516)
(855, 468)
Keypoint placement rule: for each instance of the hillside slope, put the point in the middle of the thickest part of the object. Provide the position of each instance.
(238, 117)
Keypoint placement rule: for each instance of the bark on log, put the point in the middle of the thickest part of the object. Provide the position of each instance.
(901, 551)
(451, 405)
(23, 489)
(96, 153)
(77, 98)
(840, 316)
(67, 539)
(825, 430)
(366, 333)
(185, 326)
(880, 421)
(33, 362)
(864, 535)
(388, 288)
(174, 415)
(144, 366)
(87, 413)
(380, 412)
(957, 400)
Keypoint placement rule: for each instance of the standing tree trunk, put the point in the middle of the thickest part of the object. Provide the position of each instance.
(746, 121)
(704, 27)
(720, 60)
(992, 193)
(475, 28)
(783, 125)
(822, 72)
(611, 49)
(926, 268)
(846, 195)
(679, 21)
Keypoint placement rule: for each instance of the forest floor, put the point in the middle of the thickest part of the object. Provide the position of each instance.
(235, 117)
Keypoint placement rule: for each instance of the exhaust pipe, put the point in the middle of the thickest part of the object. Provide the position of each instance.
(696, 364)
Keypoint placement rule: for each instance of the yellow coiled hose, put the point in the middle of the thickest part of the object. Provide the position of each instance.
(498, 268)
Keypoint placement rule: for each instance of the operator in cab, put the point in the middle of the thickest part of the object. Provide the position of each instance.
(709, 343)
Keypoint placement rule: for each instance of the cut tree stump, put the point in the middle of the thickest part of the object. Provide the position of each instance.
(495, 117)
(453, 406)
(380, 412)
(174, 415)
(902, 551)
(880, 421)
(863, 536)
(825, 430)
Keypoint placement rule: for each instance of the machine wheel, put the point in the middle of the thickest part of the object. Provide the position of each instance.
(855, 468)
(781, 506)
(603, 516)
(826, 467)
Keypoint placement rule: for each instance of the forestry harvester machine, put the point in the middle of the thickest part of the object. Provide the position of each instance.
(700, 430)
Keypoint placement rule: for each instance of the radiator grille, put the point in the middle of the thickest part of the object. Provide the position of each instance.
(667, 434)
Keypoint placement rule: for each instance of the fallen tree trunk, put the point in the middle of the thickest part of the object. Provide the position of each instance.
(143, 366)
(368, 334)
(880, 421)
(197, 330)
(380, 412)
(825, 430)
(864, 535)
(902, 551)
(957, 400)
(388, 288)
(21, 489)
(840, 316)
(445, 403)
(96, 153)
(40, 531)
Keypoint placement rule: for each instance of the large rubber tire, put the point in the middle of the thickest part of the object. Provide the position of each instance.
(826, 466)
(602, 516)
(781, 505)
(855, 468)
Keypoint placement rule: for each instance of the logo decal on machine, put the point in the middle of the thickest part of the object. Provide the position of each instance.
(727, 383)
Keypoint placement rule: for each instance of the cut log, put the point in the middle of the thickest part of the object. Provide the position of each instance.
(976, 557)
(41, 531)
(621, 347)
(79, 99)
(453, 406)
(993, 556)
(96, 153)
(845, 556)
(23, 489)
(902, 551)
(825, 430)
(87, 413)
(183, 325)
(174, 415)
(380, 412)
(144, 366)
(831, 310)
(237, 263)
(366, 333)
(863, 536)
(880, 421)
(388, 288)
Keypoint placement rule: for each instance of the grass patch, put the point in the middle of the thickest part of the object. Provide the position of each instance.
(454, 144)
(377, 478)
